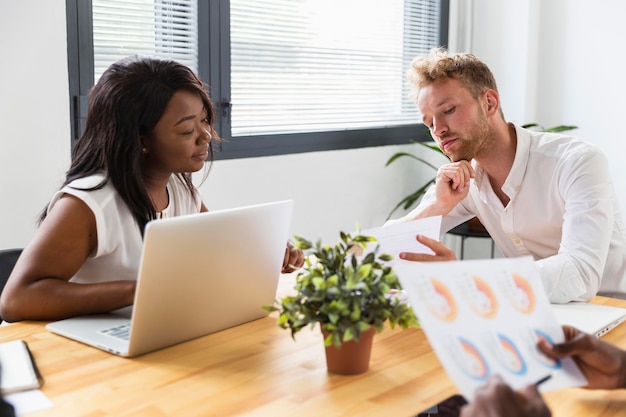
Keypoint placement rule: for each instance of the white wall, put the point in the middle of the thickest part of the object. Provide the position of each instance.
(560, 62)
(332, 190)
(556, 61)
(34, 113)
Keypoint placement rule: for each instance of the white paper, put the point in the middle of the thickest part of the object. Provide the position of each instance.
(401, 237)
(28, 401)
(485, 317)
(17, 371)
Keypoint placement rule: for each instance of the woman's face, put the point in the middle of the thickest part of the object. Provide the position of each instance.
(180, 140)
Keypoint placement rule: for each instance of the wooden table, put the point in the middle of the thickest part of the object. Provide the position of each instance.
(257, 370)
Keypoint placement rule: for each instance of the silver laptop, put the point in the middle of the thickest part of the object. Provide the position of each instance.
(198, 274)
(594, 319)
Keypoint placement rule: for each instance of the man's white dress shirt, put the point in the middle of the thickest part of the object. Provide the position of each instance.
(562, 211)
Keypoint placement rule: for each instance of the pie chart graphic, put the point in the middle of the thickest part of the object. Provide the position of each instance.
(509, 356)
(470, 360)
(441, 303)
(482, 299)
(538, 355)
(522, 295)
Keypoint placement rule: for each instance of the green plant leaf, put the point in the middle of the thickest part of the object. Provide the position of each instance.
(348, 335)
(319, 283)
(410, 200)
(395, 156)
(355, 315)
(328, 340)
(553, 129)
(364, 270)
(385, 257)
(560, 128)
(345, 294)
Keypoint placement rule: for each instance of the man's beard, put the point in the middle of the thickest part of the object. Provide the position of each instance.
(477, 138)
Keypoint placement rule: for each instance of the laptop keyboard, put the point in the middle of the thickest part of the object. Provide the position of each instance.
(121, 332)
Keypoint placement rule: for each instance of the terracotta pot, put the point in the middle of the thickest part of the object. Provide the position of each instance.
(351, 357)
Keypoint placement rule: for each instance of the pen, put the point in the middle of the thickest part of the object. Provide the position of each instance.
(542, 380)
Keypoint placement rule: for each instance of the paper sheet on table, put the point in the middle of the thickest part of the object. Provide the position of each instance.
(400, 237)
(485, 317)
(26, 402)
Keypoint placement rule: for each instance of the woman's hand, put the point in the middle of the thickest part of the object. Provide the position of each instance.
(294, 259)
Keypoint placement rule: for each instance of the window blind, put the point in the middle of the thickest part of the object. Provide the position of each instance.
(156, 28)
(296, 66)
(316, 65)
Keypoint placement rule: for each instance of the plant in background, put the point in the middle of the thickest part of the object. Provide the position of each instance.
(554, 129)
(344, 292)
(411, 200)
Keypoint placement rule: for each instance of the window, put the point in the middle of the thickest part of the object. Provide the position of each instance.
(286, 76)
(146, 27)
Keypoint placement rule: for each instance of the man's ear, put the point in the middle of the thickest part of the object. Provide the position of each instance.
(492, 99)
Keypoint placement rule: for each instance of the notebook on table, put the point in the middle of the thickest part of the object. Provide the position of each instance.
(594, 319)
(198, 274)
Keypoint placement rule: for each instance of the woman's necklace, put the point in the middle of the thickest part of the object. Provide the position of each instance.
(165, 211)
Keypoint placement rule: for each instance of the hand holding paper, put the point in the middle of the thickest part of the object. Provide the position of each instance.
(485, 318)
(400, 237)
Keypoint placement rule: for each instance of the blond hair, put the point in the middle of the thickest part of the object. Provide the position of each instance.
(438, 65)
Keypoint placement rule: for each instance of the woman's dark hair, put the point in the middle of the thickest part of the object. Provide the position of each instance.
(126, 104)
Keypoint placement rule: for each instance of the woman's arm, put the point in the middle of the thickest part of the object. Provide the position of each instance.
(39, 287)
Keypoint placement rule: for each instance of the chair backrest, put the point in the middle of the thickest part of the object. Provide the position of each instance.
(8, 258)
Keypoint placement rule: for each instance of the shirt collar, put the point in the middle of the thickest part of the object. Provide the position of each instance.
(514, 180)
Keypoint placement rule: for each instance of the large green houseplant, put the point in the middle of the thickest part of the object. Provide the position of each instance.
(411, 199)
(347, 294)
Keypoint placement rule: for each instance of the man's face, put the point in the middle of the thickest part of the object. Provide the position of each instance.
(456, 120)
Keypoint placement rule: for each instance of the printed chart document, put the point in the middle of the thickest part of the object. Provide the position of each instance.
(485, 317)
(400, 237)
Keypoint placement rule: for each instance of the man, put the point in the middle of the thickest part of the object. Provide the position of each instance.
(540, 194)
(603, 364)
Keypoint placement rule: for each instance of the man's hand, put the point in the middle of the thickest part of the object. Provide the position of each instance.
(497, 399)
(442, 252)
(603, 364)
(452, 183)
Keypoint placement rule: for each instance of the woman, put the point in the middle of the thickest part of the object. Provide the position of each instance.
(149, 126)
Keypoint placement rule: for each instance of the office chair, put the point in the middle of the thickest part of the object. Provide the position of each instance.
(8, 258)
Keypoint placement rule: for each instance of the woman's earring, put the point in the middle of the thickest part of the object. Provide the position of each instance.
(144, 150)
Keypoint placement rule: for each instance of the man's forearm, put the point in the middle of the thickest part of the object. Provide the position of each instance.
(422, 211)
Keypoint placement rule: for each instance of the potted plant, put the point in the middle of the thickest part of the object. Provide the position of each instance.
(349, 295)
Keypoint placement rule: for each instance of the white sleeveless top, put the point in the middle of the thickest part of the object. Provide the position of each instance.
(119, 247)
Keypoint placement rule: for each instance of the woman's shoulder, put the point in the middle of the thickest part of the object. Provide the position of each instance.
(94, 190)
(88, 183)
